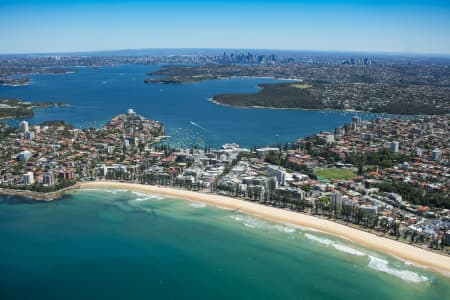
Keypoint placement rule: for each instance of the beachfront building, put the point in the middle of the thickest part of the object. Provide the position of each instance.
(336, 202)
(49, 179)
(278, 172)
(28, 178)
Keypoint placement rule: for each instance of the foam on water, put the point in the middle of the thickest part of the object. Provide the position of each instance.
(375, 263)
(113, 191)
(197, 205)
(223, 207)
(319, 239)
(382, 265)
(301, 228)
(348, 250)
(252, 222)
(145, 197)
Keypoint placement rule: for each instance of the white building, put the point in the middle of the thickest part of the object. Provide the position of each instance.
(49, 178)
(278, 172)
(24, 126)
(436, 154)
(395, 146)
(356, 122)
(368, 210)
(28, 178)
(24, 155)
(29, 135)
(336, 201)
(262, 152)
(417, 151)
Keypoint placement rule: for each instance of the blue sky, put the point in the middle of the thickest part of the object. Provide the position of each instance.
(371, 26)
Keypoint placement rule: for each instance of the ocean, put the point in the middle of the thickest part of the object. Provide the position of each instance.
(117, 244)
(96, 95)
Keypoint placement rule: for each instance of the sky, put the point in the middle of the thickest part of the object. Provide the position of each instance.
(402, 26)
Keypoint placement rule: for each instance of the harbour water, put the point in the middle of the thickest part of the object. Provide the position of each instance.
(116, 244)
(95, 95)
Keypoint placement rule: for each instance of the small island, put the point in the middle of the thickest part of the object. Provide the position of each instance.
(15, 108)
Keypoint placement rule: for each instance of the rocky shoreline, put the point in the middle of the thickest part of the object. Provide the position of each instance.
(38, 196)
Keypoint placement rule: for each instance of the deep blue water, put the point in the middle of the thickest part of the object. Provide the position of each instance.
(97, 94)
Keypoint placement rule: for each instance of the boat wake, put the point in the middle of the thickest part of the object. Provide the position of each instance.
(196, 125)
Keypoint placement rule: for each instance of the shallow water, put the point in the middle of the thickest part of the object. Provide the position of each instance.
(116, 244)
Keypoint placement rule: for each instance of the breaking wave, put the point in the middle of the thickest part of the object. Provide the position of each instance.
(382, 265)
(301, 228)
(375, 263)
(145, 197)
(260, 224)
(197, 205)
(113, 191)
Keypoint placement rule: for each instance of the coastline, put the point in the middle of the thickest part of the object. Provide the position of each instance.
(437, 262)
(211, 99)
(38, 196)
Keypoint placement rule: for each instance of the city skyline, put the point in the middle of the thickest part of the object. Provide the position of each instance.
(420, 27)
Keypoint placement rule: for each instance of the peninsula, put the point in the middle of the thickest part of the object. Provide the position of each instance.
(15, 108)
(393, 88)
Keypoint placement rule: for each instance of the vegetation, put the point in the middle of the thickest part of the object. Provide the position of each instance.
(283, 95)
(15, 108)
(37, 187)
(393, 88)
(417, 194)
(334, 173)
(16, 112)
(57, 123)
(277, 159)
(383, 158)
(408, 108)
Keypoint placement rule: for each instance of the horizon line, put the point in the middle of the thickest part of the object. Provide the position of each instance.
(376, 52)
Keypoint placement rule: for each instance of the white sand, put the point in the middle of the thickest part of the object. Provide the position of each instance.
(435, 261)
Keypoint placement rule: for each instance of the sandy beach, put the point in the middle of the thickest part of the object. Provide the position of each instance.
(437, 262)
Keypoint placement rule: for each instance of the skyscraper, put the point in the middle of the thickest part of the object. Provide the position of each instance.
(24, 126)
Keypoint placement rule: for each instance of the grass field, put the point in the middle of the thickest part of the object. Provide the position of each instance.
(334, 173)
(301, 85)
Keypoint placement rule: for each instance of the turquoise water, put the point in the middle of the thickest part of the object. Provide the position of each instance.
(97, 94)
(99, 244)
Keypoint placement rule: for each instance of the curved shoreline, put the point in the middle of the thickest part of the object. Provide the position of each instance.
(435, 261)
(211, 99)
(38, 196)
